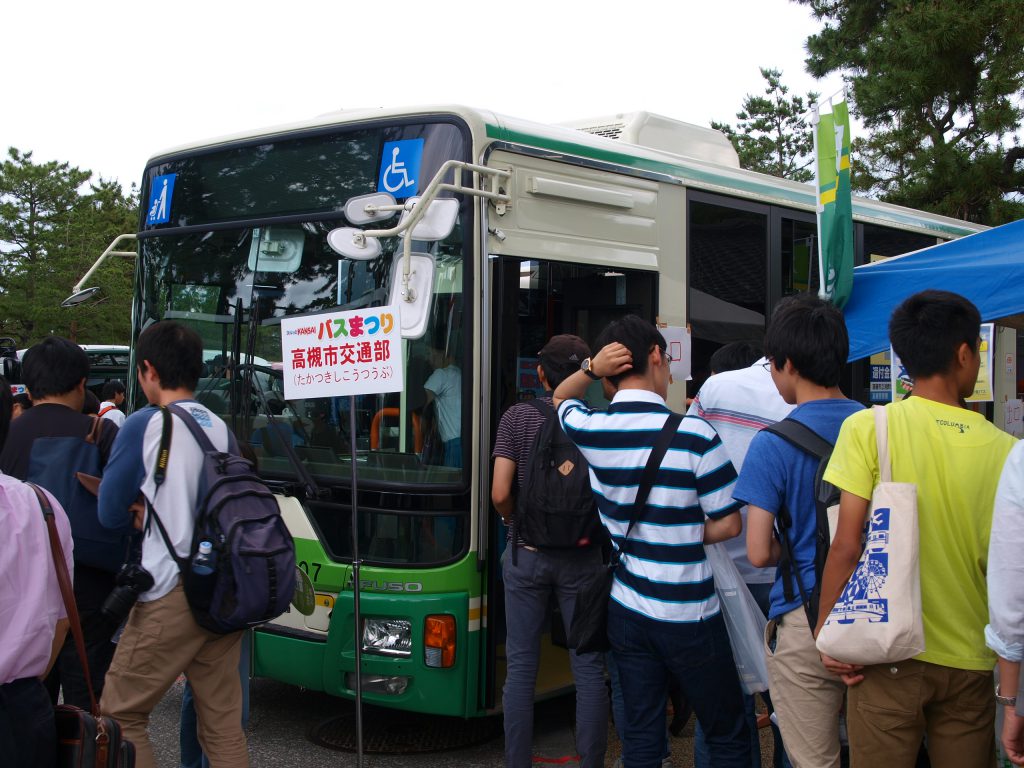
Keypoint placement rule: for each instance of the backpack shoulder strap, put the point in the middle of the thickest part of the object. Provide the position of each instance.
(95, 430)
(541, 407)
(108, 409)
(159, 475)
(798, 434)
(807, 440)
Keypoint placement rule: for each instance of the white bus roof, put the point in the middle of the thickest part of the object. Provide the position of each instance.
(718, 175)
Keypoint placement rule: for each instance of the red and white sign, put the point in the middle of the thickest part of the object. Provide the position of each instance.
(342, 353)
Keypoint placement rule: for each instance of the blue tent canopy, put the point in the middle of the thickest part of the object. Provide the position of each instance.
(987, 268)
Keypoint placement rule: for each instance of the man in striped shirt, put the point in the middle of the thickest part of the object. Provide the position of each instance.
(664, 618)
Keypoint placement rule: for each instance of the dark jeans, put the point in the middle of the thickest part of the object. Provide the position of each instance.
(701, 755)
(529, 584)
(28, 737)
(67, 673)
(699, 658)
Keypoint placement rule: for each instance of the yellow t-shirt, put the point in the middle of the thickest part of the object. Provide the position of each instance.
(954, 456)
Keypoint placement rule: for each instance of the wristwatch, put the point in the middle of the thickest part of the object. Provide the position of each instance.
(1006, 701)
(585, 367)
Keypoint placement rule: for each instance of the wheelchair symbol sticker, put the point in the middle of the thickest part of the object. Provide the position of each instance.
(400, 168)
(160, 195)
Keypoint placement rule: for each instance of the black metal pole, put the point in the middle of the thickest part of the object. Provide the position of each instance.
(355, 585)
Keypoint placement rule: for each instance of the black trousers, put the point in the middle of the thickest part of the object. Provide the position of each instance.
(67, 672)
(28, 736)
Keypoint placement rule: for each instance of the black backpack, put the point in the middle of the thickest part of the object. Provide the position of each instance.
(826, 503)
(555, 508)
(254, 574)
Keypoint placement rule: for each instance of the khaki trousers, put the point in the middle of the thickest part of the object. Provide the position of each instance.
(161, 641)
(806, 696)
(896, 704)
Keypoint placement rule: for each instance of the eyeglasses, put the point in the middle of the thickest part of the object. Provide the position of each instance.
(767, 364)
(668, 357)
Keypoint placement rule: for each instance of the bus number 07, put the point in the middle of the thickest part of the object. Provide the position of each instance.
(306, 566)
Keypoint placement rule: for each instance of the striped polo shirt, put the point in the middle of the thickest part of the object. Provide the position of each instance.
(663, 573)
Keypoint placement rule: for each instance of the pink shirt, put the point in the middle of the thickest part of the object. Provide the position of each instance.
(30, 600)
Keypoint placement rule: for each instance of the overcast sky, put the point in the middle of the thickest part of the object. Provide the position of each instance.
(106, 85)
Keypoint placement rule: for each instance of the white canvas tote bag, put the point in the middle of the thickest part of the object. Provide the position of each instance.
(877, 619)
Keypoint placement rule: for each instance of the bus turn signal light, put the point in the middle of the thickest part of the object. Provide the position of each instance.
(439, 641)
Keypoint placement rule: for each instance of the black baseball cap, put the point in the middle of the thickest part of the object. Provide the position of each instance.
(561, 357)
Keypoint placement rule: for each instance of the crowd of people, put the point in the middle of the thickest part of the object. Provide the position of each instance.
(725, 474)
(103, 473)
(724, 479)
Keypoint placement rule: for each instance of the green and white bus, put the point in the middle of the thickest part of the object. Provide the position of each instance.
(555, 229)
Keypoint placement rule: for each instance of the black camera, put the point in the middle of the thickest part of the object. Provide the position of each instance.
(132, 581)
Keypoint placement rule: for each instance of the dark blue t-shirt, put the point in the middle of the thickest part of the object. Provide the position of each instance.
(776, 473)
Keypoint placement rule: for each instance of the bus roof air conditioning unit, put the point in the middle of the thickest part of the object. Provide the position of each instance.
(663, 133)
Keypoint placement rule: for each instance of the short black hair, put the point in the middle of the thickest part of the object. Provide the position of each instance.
(927, 329)
(23, 400)
(112, 389)
(635, 334)
(54, 366)
(175, 351)
(6, 409)
(733, 356)
(811, 334)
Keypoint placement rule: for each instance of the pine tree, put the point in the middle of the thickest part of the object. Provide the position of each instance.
(771, 134)
(939, 86)
(50, 234)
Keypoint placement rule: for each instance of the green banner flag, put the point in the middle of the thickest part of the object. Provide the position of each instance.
(835, 205)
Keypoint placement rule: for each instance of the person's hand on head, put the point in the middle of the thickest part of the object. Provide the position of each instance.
(611, 360)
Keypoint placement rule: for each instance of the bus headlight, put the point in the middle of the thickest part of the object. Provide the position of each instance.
(388, 637)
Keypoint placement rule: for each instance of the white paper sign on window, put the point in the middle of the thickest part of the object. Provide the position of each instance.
(357, 352)
(678, 339)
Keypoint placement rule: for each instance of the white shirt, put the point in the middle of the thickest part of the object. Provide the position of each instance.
(1005, 631)
(739, 404)
(131, 468)
(113, 413)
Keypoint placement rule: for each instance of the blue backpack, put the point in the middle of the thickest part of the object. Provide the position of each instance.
(54, 464)
(253, 576)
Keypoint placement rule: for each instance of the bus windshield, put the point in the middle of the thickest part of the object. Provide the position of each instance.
(247, 246)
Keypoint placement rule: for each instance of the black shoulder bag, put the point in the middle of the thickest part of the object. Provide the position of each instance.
(589, 631)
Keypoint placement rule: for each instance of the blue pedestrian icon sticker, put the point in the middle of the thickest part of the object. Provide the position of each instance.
(400, 168)
(160, 194)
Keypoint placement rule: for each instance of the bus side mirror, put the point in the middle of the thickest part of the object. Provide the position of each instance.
(412, 296)
(438, 221)
(369, 209)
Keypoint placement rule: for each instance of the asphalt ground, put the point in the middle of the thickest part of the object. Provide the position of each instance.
(282, 716)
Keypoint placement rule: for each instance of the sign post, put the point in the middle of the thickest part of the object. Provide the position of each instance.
(335, 354)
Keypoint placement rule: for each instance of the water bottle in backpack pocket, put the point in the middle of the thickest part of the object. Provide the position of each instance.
(248, 575)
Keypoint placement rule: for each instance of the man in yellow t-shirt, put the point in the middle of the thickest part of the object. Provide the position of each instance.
(954, 457)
